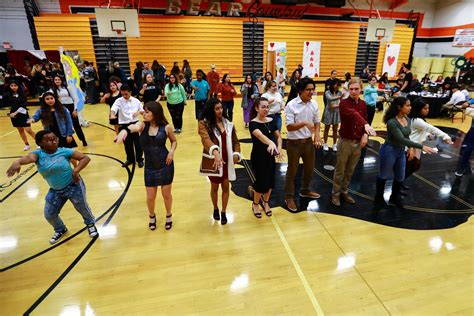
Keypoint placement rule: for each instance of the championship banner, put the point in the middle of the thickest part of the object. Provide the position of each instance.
(73, 80)
(391, 60)
(311, 58)
(280, 50)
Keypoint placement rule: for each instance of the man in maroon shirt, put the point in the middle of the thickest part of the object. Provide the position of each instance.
(213, 80)
(354, 134)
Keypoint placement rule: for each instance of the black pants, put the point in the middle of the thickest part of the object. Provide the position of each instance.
(75, 122)
(370, 114)
(229, 108)
(132, 140)
(176, 112)
(91, 92)
(200, 104)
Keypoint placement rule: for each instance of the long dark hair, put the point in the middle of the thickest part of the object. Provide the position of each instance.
(252, 83)
(20, 91)
(394, 108)
(224, 78)
(155, 65)
(46, 113)
(157, 110)
(176, 81)
(416, 107)
(185, 65)
(332, 88)
(209, 116)
(255, 105)
(55, 88)
(293, 75)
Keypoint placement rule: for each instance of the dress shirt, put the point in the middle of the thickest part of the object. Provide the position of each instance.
(126, 109)
(297, 111)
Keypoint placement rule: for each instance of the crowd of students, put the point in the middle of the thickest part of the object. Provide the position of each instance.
(263, 105)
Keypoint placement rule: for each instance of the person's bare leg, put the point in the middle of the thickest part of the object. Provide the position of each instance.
(214, 192)
(225, 195)
(22, 133)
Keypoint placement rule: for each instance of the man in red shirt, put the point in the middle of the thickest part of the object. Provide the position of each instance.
(213, 80)
(354, 134)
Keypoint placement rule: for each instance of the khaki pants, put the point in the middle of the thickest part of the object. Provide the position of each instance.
(348, 154)
(296, 149)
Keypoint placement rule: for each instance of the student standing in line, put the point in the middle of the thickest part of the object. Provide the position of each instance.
(201, 92)
(276, 103)
(353, 137)
(55, 118)
(65, 96)
(127, 109)
(159, 165)
(213, 80)
(281, 82)
(392, 152)
(267, 144)
(267, 79)
(175, 101)
(110, 97)
(188, 75)
(15, 98)
(227, 91)
(221, 151)
(329, 83)
(54, 164)
(371, 95)
(303, 125)
(249, 92)
(331, 114)
(295, 78)
(150, 91)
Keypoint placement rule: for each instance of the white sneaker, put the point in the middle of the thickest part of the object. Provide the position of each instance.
(334, 147)
(27, 147)
(325, 147)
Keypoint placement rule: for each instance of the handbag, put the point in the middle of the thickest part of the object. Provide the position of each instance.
(207, 169)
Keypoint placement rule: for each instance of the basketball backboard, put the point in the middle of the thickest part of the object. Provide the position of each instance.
(380, 30)
(117, 22)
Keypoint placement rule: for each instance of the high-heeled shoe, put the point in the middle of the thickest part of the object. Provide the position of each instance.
(169, 223)
(269, 212)
(256, 214)
(152, 222)
(215, 215)
(223, 218)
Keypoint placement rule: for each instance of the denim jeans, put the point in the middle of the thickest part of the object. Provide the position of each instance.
(277, 118)
(392, 163)
(55, 200)
(229, 109)
(200, 104)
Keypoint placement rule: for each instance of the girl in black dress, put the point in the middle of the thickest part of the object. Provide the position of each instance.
(150, 90)
(55, 118)
(16, 99)
(267, 144)
(295, 78)
(110, 97)
(159, 166)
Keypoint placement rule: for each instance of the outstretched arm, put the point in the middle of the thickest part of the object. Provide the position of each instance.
(16, 165)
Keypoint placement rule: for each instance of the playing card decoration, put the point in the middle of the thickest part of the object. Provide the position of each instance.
(391, 59)
(311, 58)
(280, 50)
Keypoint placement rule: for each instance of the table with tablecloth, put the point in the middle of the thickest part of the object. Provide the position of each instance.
(435, 102)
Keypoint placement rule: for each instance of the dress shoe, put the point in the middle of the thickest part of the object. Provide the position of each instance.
(335, 199)
(140, 164)
(127, 163)
(290, 203)
(347, 198)
(310, 194)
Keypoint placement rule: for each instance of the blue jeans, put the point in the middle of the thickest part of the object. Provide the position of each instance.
(392, 163)
(466, 151)
(200, 104)
(55, 200)
(277, 118)
(229, 109)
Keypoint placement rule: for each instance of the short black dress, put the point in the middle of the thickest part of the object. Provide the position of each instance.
(110, 101)
(15, 102)
(157, 172)
(263, 164)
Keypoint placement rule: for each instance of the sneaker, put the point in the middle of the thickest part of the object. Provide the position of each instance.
(57, 236)
(92, 231)
(27, 147)
(334, 147)
(325, 147)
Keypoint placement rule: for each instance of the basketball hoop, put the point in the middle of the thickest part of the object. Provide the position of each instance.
(119, 32)
(380, 38)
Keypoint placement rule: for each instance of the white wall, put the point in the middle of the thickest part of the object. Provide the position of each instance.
(48, 6)
(453, 12)
(14, 25)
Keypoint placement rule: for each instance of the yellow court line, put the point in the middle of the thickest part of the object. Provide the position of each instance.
(297, 267)
(1, 136)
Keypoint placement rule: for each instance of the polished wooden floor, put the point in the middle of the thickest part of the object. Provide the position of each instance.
(308, 263)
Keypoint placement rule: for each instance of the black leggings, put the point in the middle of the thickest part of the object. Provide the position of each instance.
(176, 112)
(75, 123)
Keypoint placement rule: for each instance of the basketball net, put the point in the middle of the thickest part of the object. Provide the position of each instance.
(119, 33)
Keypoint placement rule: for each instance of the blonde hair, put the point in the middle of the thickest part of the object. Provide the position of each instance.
(355, 80)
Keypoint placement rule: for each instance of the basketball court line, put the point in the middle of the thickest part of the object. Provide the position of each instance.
(4, 135)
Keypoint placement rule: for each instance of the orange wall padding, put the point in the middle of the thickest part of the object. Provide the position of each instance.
(338, 43)
(201, 40)
(403, 35)
(69, 31)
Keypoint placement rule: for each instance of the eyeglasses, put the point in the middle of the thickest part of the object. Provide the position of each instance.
(51, 140)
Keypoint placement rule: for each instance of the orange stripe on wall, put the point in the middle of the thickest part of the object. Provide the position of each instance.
(442, 31)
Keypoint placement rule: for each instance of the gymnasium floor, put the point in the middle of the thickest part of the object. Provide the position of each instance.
(345, 261)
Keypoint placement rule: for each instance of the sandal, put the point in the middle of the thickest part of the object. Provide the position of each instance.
(269, 212)
(169, 224)
(256, 214)
(152, 222)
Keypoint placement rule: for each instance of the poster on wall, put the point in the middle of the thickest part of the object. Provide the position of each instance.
(391, 59)
(73, 80)
(311, 58)
(281, 53)
(464, 38)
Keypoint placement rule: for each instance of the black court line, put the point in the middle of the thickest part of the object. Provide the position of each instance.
(121, 197)
(81, 255)
(100, 124)
(19, 186)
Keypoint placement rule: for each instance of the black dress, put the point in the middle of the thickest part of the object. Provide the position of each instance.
(151, 92)
(157, 172)
(110, 101)
(15, 102)
(263, 164)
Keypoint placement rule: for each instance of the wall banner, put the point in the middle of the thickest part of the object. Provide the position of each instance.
(391, 59)
(311, 58)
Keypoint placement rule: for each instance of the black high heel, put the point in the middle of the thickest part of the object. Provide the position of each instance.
(269, 212)
(152, 224)
(215, 215)
(169, 224)
(256, 214)
(223, 218)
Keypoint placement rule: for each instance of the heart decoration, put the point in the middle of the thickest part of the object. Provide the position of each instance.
(390, 60)
(278, 60)
(311, 65)
(312, 53)
(272, 44)
(311, 59)
(307, 43)
(388, 45)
